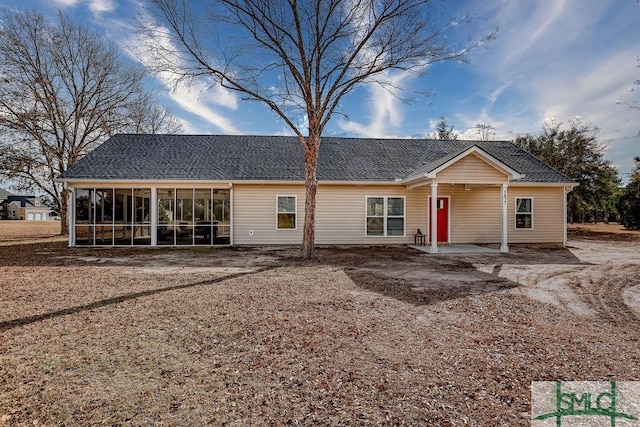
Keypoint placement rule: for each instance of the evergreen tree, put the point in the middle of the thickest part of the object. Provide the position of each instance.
(629, 203)
(444, 131)
(574, 150)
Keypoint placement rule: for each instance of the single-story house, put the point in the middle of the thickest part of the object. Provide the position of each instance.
(249, 190)
(29, 208)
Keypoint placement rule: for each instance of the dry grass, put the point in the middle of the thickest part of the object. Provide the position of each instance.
(360, 336)
(602, 231)
(22, 231)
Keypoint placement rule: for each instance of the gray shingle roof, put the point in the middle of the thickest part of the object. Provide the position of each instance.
(227, 157)
(4, 194)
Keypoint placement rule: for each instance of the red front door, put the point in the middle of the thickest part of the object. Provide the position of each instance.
(443, 219)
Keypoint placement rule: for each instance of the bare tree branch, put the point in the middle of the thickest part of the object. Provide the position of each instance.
(62, 92)
(297, 57)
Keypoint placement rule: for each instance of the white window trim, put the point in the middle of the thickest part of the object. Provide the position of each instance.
(516, 213)
(295, 212)
(385, 216)
(366, 215)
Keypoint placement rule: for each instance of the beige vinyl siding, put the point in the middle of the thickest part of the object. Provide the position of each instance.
(548, 217)
(476, 214)
(340, 214)
(471, 170)
(254, 210)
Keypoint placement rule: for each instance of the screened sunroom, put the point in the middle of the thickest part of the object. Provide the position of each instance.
(151, 216)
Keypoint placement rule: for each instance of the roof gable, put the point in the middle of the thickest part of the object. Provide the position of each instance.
(471, 170)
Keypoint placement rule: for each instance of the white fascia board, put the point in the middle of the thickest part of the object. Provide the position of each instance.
(323, 183)
(128, 183)
(418, 180)
(544, 184)
(206, 183)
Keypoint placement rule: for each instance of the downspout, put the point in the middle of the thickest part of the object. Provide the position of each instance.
(567, 190)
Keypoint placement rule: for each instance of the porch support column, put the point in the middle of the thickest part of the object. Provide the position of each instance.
(504, 247)
(71, 215)
(231, 213)
(433, 221)
(154, 216)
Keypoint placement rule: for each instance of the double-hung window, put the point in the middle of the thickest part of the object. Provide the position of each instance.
(286, 212)
(524, 213)
(385, 216)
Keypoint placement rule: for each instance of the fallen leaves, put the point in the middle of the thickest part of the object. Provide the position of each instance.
(359, 337)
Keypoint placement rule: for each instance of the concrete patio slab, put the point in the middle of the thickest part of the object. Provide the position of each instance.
(458, 249)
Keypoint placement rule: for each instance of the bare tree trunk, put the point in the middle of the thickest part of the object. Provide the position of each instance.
(311, 184)
(64, 220)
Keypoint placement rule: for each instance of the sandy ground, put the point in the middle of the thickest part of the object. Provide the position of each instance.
(358, 336)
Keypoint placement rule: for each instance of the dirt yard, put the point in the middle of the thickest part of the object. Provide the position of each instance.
(359, 336)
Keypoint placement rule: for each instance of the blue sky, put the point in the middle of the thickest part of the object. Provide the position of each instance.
(552, 59)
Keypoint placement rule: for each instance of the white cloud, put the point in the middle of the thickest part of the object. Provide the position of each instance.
(99, 6)
(385, 111)
(66, 3)
(525, 29)
(187, 98)
(197, 97)
(95, 6)
(561, 58)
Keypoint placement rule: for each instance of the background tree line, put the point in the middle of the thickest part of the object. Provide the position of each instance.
(573, 149)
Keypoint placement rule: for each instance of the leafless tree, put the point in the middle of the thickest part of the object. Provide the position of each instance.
(146, 115)
(318, 51)
(485, 131)
(63, 90)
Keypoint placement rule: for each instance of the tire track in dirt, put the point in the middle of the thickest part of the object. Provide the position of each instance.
(596, 291)
(605, 290)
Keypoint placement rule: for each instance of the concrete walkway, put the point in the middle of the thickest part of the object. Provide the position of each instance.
(458, 249)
